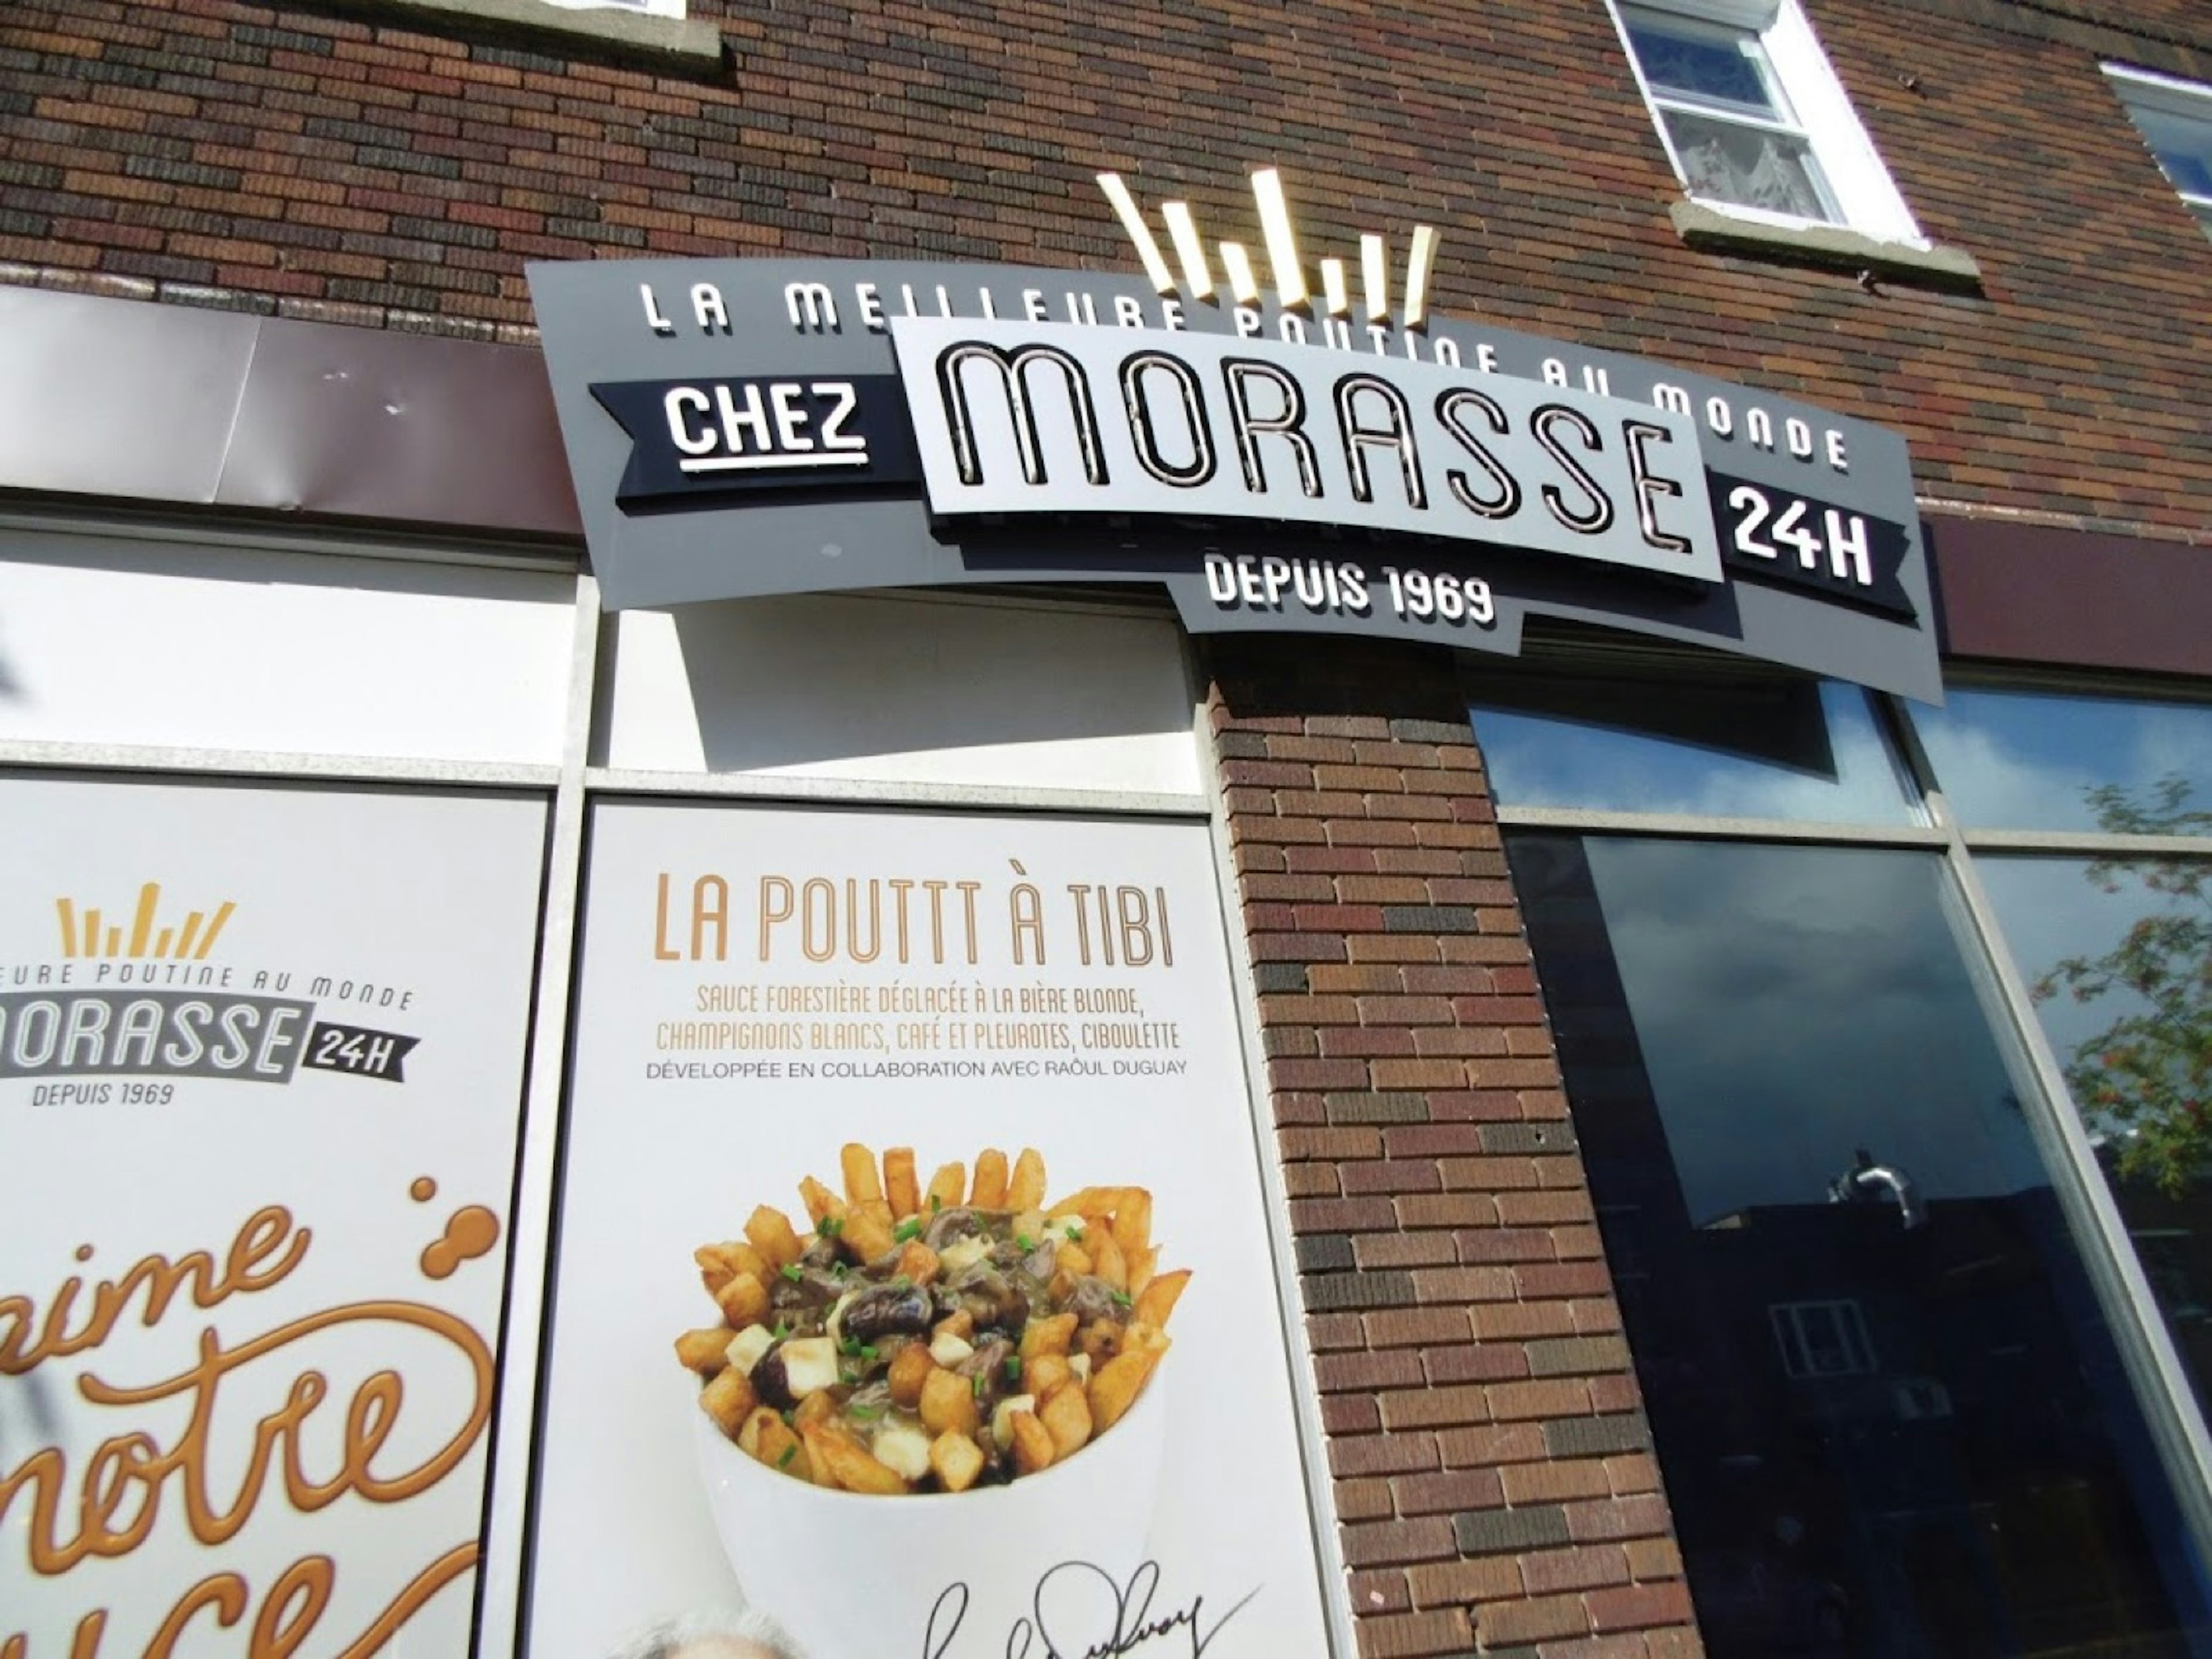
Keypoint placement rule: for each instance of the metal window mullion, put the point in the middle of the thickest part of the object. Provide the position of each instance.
(1698, 827)
(2170, 1408)
(2173, 1411)
(502, 1574)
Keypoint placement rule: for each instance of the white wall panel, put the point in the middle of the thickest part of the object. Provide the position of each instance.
(192, 645)
(886, 689)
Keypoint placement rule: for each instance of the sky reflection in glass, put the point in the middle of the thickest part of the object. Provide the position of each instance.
(2027, 760)
(1703, 761)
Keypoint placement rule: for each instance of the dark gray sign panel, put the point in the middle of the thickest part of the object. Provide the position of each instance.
(748, 427)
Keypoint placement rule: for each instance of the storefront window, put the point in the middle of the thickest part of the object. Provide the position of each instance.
(2056, 760)
(1890, 1414)
(1898, 1408)
(1740, 743)
(2135, 1054)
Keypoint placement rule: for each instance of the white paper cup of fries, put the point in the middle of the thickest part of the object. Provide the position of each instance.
(936, 1409)
(853, 1576)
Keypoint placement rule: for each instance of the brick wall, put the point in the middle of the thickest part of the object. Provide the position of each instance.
(1491, 1461)
(282, 158)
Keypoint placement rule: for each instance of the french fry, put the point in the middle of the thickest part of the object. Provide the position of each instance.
(947, 1188)
(990, 1192)
(909, 1371)
(851, 1463)
(728, 1400)
(1026, 1188)
(1142, 1266)
(957, 1460)
(1041, 1375)
(899, 1185)
(737, 1256)
(822, 1204)
(1044, 1336)
(1101, 1340)
(1158, 1299)
(703, 1351)
(868, 1230)
(817, 1408)
(775, 1444)
(948, 1404)
(770, 1229)
(1109, 1263)
(743, 1300)
(1139, 1336)
(716, 1269)
(1088, 1201)
(1033, 1446)
(749, 1435)
(1066, 1414)
(1114, 1386)
(918, 1262)
(1071, 1258)
(859, 1166)
(1133, 1220)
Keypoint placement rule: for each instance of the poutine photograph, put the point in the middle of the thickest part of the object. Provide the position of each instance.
(931, 1338)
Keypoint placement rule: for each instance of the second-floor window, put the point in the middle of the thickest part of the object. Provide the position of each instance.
(1754, 117)
(2175, 119)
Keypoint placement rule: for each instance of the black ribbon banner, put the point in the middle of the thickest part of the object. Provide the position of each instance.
(1770, 535)
(358, 1051)
(717, 437)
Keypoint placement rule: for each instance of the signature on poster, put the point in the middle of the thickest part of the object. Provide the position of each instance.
(132, 1480)
(1080, 1611)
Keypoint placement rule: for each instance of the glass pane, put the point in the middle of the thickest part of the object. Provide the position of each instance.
(1749, 167)
(1714, 65)
(2036, 760)
(2184, 149)
(1750, 747)
(1890, 1416)
(2120, 957)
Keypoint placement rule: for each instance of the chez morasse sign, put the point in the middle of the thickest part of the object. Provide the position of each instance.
(742, 427)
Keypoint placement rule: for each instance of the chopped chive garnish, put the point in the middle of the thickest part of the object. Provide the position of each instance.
(789, 1452)
(836, 1270)
(1014, 1368)
(909, 1228)
(1122, 1297)
(831, 1226)
(866, 1414)
(781, 1331)
(792, 1273)
(976, 1383)
(867, 1351)
(935, 1204)
(1025, 1241)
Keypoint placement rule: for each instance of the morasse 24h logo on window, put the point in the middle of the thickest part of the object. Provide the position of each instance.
(142, 993)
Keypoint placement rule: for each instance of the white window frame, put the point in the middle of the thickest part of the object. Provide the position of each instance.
(1868, 202)
(2144, 94)
(648, 8)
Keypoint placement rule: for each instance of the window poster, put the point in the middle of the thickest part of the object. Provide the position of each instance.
(913, 1292)
(261, 1057)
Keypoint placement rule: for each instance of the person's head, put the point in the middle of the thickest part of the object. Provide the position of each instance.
(713, 1636)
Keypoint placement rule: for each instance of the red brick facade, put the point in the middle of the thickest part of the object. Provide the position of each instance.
(1491, 1466)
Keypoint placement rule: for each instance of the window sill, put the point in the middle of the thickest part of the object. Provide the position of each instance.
(1702, 227)
(681, 45)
